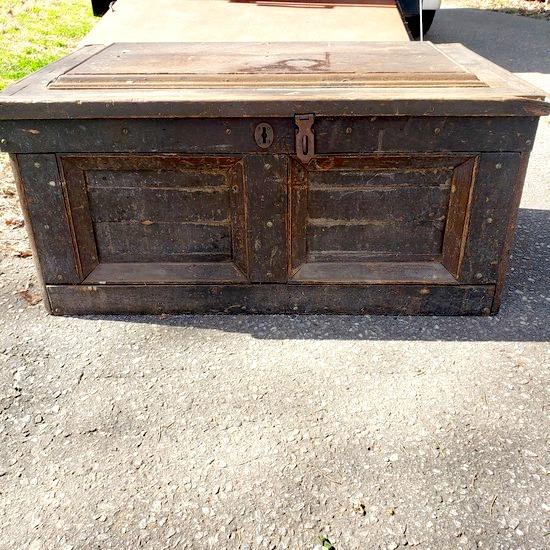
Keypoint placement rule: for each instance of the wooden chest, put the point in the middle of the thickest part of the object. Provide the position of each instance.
(298, 178)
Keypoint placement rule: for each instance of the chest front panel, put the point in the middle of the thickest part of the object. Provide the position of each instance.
(211, 214)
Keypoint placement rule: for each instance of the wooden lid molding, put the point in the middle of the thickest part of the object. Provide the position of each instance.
(165, 80)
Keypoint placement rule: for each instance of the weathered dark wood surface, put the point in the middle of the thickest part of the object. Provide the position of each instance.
(236, 136)
(32, 240)
(232, 65)
(493, 196)
(266, 217)
(458, 215)
(165, 273)
(272, 298)
(349, 214)
(42, 198)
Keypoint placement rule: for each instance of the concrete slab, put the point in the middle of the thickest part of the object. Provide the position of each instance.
(224, 21)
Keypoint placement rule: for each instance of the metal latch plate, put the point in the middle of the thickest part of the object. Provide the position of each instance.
(305, 137)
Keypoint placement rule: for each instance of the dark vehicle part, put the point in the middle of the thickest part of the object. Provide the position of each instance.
(101, 7)
(413, 22)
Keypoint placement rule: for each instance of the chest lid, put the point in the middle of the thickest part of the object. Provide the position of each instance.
(175, 66)
(270, 79)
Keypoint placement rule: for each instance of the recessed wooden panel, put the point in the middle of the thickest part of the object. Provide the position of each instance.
(161, 242)
(151, 205)
(439, 176)
(379, 216)
(171, 178)
(158, 209)
(385, 205)
(376, 238)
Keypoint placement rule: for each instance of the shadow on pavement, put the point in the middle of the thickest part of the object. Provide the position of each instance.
(525, 313)
(519, 44)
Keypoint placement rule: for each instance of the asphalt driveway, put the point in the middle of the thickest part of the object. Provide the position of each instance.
(272, 431)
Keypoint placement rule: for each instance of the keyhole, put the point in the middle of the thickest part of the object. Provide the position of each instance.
(263, 134)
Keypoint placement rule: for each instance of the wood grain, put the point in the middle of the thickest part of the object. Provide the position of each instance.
(374, 273)
(151, 205)
(344, 135)
(161, 178)
(49, 222)
(160, 241)
(266, 189)
(376, 238)
(78, 212)
(20, 184)
(494, 195)
(458, 215)
(165, 273)
(372, 208)
(383, 204)
(272, 298)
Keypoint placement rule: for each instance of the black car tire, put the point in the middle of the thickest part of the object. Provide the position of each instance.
(101, 7)
(413, 22)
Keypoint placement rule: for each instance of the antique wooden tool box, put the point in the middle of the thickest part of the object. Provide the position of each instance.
(305, 177)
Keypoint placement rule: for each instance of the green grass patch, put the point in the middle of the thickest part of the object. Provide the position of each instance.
(34, 33)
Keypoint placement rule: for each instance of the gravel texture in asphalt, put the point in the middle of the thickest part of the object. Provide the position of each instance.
(275, 431)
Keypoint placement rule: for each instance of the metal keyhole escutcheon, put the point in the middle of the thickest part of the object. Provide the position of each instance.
(264, 135)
